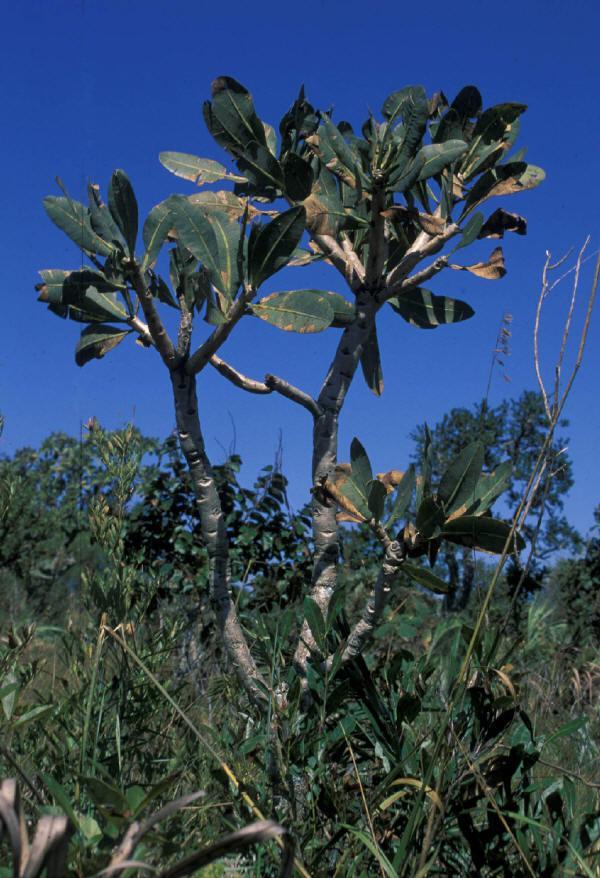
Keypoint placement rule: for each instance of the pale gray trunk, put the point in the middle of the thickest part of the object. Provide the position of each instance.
(214, 531)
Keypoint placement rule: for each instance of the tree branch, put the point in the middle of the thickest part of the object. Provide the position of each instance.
(279, 385)
(238, 378)
(156, 329)
(424, 245)
(142, 330)
(414, 280)
(202, 355)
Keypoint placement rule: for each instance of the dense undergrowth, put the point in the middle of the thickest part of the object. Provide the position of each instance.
(116, 698)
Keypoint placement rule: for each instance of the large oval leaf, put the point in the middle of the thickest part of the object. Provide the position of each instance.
(296, 310)
(196, 233)
(231, 117)
(459, 481)
(425, 577)
(195, 169)
(123, 206)
(421, 308)
(261, 167)
(403, 496)
(271, 245)
(96, 341)
(73, 218)
(481, 532)
(156, 228)
(437, 156)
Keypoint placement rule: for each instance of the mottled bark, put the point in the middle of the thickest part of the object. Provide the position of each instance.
(214, 531)
(325, 441)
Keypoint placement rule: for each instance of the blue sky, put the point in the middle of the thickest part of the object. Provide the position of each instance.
(98, 84)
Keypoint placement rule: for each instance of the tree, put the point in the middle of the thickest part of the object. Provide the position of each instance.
(380, 208)
(576, 583)
(514, 432)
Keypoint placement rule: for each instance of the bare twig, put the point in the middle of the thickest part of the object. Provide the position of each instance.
(238, 378)
(273, 382)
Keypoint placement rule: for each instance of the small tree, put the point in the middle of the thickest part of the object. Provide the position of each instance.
(380, 207)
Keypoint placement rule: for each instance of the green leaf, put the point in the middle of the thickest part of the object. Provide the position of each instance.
(315, 620)
(423, 309)
(38, 712)
(470, 231)
(261, 167)
(424, 477)
(96, 341)
(101, 218)
(61, 796)
(425, 578)
(489, 487)
(437, 156)
(86, 291)
(196, 233)
(195, 169)
(228, 234)
(271, 245)
(74, 220)
(481, 532)
(430, 518)
(231, 117)
(122, 204)
(413, 107)
(329, 132)
(370, 362)
(228, 202)
(361, 466)
(459, 481)
(156, 228)
(298, 177)
(376, 494)
(296, 310)
(8, 693)
(467, 103)
(404, 493)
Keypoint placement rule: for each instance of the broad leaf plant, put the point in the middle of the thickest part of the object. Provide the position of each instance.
(388, 208)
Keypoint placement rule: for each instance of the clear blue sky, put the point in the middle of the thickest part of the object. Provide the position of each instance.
(91, 85)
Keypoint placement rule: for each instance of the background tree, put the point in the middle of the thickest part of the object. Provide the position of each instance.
(512, 431)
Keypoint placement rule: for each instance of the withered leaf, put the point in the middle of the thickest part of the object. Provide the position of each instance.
(501, 221)
(493, 269)
(391, 479)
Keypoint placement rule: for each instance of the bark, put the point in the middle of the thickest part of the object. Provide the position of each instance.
(325, 440)
(214, 532)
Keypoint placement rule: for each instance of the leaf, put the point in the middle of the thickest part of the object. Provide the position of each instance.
(425, 578)
(330, 133)
(459, 481)
(430, 518)
(196, 233)
(87, 291)
(370, 362)
(315, 620)
(122, 204)
(229, 235)
(224, 201)
(471, 231)
(298, 177)
(261, 167)
(493, 269)
(412, 105)
(437, 156)
(481, 532)
(403, 496)
(361, 466)
(376, 494)
(501, 221)
(467, 103)
(96, 341)
(421, 308)
(101, 218)
(296, 311)
(195, 169)
(73, 218)
(38, 712)
(272, 244)
(156, 228)
(503, 180)
(8, 693)
(489, 487)
(231, 117)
